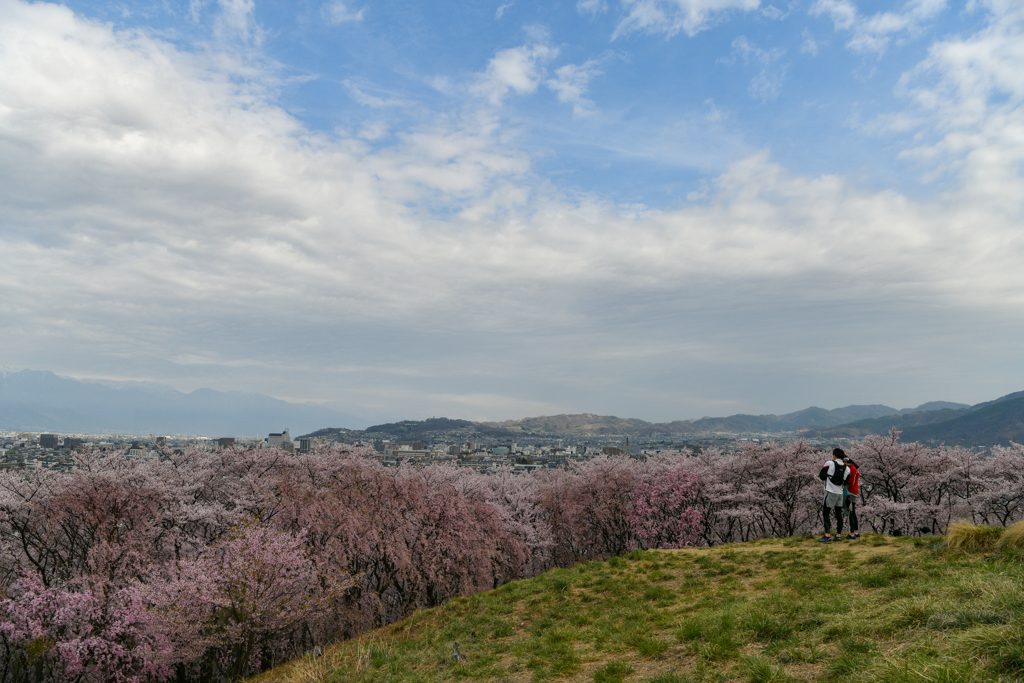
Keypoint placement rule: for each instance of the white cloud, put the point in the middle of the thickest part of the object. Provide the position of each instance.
(968, 92)
(672, 16)
(195, 9)
(571, 83)
(519, 69)
(374, 130)
(809, 45)
(338, 12)
(592, 7)
(768, 83)
(500, 12)
(160, 206)
(874, 33)
(365, 99)
(235, 22)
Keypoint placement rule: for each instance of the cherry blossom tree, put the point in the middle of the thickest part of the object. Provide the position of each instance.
(663, 514)
(999, 494)
(253, 598)
(588, 505)
(215, 564)
(78, 633)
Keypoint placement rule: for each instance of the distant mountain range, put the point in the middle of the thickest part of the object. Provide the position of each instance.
(42, 401)
(38, 401)
(419, 430)
(985, 424)
(809, 418)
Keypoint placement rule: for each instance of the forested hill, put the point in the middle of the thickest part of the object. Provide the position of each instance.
(985, 424)
(590, 424)
(996, 423)
(420, 428)
(808, 418)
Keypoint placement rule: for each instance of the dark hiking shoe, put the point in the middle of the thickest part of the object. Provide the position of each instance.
(853, 537)
(824, 539)
(837, 537)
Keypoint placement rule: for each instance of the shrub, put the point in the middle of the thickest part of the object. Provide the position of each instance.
(1013, 537)
(971, 538)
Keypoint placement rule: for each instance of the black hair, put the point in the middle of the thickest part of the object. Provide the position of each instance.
(838, 453)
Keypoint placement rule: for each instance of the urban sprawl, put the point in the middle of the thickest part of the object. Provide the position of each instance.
(33, 450)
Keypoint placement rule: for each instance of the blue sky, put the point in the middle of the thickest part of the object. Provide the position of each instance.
(643, 113)
(652, 208)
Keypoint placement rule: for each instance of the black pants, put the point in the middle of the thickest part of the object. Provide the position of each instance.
(839, 519)
(851, 507)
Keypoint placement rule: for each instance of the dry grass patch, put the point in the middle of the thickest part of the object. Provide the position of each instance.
(971, 538)
(1013, 537)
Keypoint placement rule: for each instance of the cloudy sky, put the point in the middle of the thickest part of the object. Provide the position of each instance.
(660, 209)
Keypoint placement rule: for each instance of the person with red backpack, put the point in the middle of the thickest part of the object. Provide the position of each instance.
(851, 491)
(834, 474)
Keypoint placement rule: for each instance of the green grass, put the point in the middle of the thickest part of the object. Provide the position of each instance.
(881, 610)
(613, 672)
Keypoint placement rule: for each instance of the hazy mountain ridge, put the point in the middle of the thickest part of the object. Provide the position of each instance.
(43, 401)
(984, 424)
(415, 429)
(33, 400)
(882, 425)
(607, 425)
(996, 422)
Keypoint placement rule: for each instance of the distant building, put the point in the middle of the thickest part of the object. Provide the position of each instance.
(71, 442)
(279, 439)
(225, 441)
(49, 441)
(305, 445)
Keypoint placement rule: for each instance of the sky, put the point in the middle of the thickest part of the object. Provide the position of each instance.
(662, 209)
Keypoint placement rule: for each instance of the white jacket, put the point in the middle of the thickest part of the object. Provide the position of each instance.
(829, 486)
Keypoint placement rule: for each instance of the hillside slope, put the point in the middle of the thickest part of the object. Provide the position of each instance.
(999, 422)
(879, 609)
(985, 424)
(882, 425)
(809, 418)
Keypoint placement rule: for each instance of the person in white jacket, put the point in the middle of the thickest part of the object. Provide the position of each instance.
(834, 474)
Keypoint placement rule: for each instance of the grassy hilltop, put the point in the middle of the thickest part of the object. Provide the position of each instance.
(880, 609)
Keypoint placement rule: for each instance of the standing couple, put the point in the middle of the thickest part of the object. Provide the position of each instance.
(842, 485)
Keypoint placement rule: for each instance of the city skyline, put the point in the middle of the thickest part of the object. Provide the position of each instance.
(661, 209)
